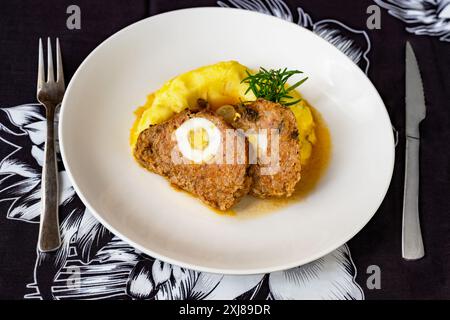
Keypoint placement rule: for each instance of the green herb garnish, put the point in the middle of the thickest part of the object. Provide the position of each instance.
(271, 85)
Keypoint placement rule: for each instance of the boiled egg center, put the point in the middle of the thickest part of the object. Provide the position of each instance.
(198, 138)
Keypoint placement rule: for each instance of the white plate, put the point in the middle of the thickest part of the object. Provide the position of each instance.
(141, 208)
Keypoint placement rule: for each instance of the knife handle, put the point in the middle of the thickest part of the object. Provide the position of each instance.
(412, 243)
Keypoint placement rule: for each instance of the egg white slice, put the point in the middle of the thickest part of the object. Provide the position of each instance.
(184, 145)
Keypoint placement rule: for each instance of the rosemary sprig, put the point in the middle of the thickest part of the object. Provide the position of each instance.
(271, 85)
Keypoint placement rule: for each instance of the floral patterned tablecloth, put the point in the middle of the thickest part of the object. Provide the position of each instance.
(95, 264)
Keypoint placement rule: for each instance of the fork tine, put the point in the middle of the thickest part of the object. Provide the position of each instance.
(50, 72)
(41, 72)
(59, 66)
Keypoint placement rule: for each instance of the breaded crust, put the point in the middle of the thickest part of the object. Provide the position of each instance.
(263, 114)
(220, 185)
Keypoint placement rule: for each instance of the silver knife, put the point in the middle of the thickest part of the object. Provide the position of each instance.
(412, 243)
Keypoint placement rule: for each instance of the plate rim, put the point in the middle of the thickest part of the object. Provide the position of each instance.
(216, 270)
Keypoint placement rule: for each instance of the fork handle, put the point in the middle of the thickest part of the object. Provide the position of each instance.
(412, 243)
(49, 234)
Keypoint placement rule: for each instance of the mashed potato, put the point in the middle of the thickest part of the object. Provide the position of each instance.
(306, 127)
(219, 84)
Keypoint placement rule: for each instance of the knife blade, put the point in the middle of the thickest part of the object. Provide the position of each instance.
(414, 98)
(412, 242)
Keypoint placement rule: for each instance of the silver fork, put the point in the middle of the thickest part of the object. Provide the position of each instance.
(50, 94)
